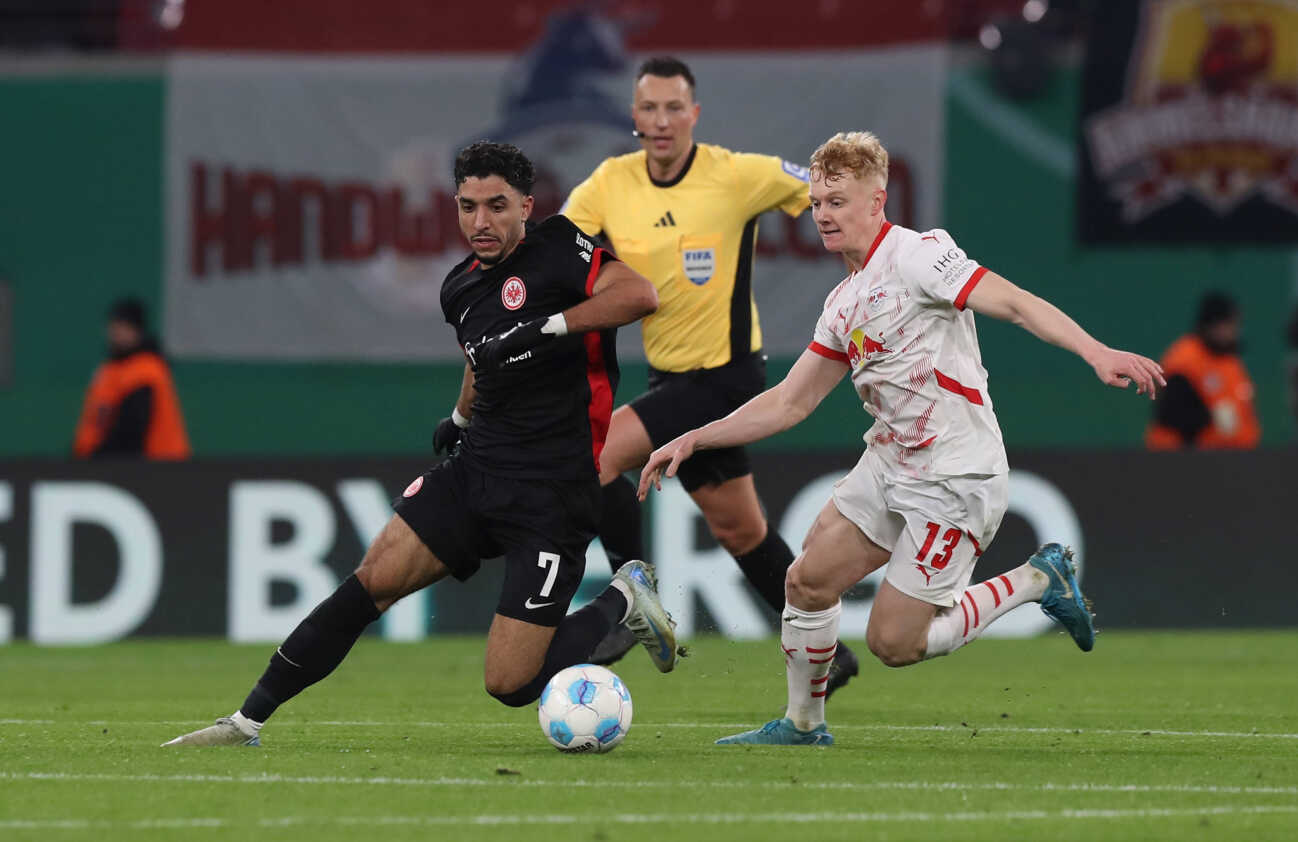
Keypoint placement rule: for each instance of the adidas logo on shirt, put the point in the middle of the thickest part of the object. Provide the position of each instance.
(667, 221)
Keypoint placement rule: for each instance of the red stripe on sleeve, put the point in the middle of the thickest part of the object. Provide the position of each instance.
(974, 603)
(969, 286)
(1008, 587)
(600, 408)
(827, 353)
(596, 260)
(995, 593)
(966, 617)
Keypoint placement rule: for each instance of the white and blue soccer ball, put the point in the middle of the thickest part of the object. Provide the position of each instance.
(585, 708)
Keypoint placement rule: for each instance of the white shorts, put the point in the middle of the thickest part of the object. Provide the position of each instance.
(935, 528)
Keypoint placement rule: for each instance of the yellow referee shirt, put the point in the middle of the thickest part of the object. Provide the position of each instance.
(694, 238)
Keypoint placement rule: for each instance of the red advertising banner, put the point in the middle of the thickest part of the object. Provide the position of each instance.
(378, 26)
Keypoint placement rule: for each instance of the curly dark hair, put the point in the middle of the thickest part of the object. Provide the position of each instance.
(484, 159)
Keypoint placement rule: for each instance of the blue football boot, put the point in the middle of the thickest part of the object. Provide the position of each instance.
(1063, 600)
(780, 732)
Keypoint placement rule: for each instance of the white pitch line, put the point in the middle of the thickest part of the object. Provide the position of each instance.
(719, 726)
(641, 818)
(925, 786)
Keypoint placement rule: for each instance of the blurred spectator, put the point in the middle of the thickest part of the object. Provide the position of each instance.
(131, 408)
(1208, 402)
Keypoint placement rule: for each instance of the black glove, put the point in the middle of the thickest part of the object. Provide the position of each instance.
(493, 353)
(446, 436)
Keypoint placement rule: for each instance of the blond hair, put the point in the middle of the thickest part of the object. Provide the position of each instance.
(858, 153)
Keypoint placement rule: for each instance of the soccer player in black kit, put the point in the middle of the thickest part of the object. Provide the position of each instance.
(534, 308)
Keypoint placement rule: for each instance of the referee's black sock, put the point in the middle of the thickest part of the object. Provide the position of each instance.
(573, 642)
(619, 525)
(765, 565)
(316, 646)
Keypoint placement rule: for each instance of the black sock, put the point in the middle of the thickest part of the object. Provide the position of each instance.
(573, 642)
(581, 631)
(316, 646)
(765, 566)
(619, 525)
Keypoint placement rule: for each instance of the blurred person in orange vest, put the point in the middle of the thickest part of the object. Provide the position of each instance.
(131, 408)
(1208, 402)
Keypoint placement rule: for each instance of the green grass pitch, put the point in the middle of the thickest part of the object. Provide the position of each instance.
(1177, 736)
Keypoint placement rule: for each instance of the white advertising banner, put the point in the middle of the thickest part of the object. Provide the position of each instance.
(309, 211)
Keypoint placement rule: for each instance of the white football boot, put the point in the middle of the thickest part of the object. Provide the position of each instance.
(226, 732)
(648, 621)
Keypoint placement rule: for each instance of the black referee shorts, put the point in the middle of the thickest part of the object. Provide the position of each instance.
(677, 402)
(542, 528)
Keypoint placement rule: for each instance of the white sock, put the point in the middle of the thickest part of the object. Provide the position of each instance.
(809, 639)
(626, 592)
(251, 727)
(980, 605)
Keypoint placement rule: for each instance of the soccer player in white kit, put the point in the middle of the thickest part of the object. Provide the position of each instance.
(929, 494)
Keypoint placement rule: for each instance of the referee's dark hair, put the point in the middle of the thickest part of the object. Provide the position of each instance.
(485, 159)
(666, 67)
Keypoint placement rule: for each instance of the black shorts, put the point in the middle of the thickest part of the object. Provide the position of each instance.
(677, 402)
(542, 528)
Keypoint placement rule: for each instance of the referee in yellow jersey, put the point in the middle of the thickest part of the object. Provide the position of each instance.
(684, 215)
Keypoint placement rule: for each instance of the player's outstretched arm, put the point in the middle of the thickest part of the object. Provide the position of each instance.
(997, 297)
(775, 410)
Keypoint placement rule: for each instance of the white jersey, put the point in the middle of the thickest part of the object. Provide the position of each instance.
(901, 324)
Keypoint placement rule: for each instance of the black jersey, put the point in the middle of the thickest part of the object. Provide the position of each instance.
(546, 416)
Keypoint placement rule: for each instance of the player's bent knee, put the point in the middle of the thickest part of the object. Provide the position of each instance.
(801, 592)
(738, 539)
(893, 652)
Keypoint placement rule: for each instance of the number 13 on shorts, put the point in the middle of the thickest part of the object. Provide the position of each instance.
(937, 564)
(942, 558)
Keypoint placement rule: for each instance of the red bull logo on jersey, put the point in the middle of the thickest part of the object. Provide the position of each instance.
(860, 346)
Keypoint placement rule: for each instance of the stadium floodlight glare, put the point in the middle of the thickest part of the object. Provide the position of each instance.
(990, 36)
(171, 14)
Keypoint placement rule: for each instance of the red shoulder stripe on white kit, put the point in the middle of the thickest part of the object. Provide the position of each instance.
(827, 353)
